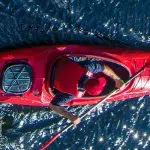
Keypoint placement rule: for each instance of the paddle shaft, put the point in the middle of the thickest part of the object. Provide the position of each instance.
(112, 93)
(53, 138)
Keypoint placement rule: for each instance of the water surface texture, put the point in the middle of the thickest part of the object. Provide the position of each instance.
(121, 125)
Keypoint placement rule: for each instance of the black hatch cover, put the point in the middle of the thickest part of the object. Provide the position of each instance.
(17, 78)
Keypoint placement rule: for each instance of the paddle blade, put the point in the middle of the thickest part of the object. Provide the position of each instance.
(50, 141)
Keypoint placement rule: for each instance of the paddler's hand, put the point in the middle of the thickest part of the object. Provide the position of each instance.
(119, 83)
(75, 120)
(80, 94)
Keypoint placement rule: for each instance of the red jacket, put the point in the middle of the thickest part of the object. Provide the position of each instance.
(67, 76)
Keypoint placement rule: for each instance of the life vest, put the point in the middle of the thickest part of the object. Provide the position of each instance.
(67, 76)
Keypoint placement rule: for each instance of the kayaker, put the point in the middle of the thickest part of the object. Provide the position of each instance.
(73, 79)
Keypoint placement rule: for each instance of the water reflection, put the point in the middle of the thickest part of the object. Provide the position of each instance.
(33, 22)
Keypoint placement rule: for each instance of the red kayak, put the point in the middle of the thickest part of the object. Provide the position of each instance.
(27, 74)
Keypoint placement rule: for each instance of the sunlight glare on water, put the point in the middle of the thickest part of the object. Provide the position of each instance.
(113, 126)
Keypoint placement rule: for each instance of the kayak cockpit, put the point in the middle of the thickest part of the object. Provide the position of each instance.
(118, 68)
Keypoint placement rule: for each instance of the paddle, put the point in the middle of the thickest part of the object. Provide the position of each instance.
(55, 136)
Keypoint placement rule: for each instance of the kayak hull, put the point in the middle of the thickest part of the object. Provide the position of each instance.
(41, 60)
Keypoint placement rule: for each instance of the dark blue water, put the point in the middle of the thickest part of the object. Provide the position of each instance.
(114, 126)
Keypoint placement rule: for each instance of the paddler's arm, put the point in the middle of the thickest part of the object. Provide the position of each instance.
(59, 100)
(82, 82)
(109, 72)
